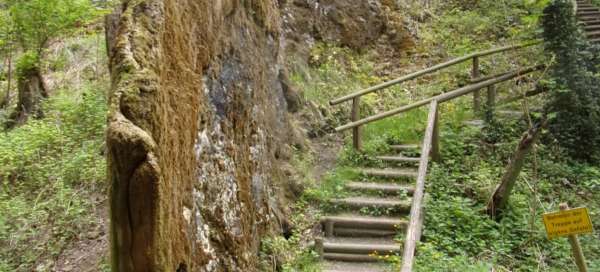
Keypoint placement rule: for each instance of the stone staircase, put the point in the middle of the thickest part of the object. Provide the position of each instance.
(363, 226)
(589, 18)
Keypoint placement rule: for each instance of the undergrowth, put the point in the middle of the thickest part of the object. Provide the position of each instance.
(53, 170)
(461, 237)
(47, 168)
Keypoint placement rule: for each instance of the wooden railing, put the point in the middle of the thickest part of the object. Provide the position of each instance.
(415, 226)
(475, 74)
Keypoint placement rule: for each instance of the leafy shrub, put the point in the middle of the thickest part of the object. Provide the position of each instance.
(576, 86)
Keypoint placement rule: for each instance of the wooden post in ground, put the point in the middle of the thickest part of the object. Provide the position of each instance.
(328, 228)
(476, 95)
(319, 248)
(490, 103)
(491, 97)
(576, 246)
(435, 141)
(356, 134)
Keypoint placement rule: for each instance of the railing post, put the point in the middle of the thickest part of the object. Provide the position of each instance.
(491, 97)
(356, 133)
(319, 248)
(435, 140)
(475, 73)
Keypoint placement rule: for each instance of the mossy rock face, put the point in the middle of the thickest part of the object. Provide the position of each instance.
(198, 112)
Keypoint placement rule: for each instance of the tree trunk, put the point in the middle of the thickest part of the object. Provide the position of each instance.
(6, 100)
(32, 90)
(501, 195)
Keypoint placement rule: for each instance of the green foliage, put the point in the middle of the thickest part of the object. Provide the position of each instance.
(48, 169)
(292, 254)
(466, 26)
(459, 236)
(38, 22)
(27, 61)
(575, 84)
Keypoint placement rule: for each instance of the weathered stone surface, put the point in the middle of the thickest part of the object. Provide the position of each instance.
(197, 114)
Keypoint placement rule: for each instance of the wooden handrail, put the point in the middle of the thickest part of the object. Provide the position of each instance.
(415, 226)
(442, 97)
(429, 70)
(534, 92)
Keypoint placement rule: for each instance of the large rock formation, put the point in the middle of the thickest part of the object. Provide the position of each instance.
(199, 125)
(198, 120)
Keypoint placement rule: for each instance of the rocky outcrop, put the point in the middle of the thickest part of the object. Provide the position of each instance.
(357, 24)
(198, 122)
(200, 130)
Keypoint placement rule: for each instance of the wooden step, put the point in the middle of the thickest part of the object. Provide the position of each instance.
(588, 13)
(350, 232)
(360, 246)
(398, 158)
(592, 34)
(373, 202)
(596, 40)
(589, 18)
(389, 173)
(510, 114)
(474, 123)
(334, 266)
(590, 23)
(405, 147)
(359, 258)
(383, 188)
(592, 27)
(364, 222)
(587, 8)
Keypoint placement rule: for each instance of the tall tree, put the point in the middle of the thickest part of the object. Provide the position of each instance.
(37, 24)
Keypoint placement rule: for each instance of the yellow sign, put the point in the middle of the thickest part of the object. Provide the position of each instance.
(568, 222)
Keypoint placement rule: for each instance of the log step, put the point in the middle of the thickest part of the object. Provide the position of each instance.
(398, 158)
(364, 222)
(474, 123)
(597, 40)
(592, 27)
(384, 188)
(592, 34)
(590, 23)
(588, 13)
(350, 232)
(405, 147)
(511, 114)
(334, 266)
(359, 258)
(361, 246)
(389, 173)
(374, 203)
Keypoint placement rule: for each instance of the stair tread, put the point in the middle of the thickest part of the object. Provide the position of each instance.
(404, 146)
(371, 201)
(384, 244)
(390, 172)
(351, 217)
(335, 266)
(388, 187)
(398, 158)
(474, 123)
